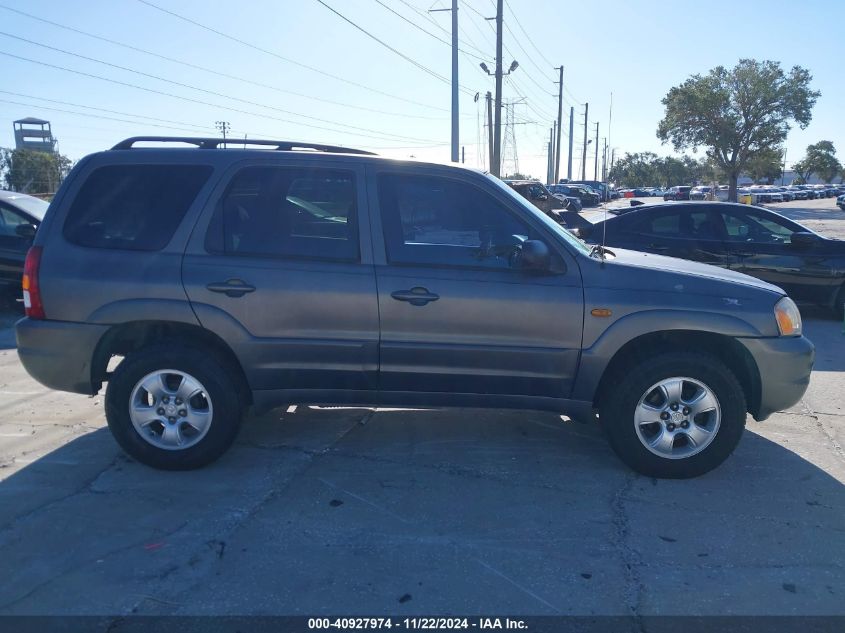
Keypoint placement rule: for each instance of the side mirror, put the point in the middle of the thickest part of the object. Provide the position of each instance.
(26, 231)
(803, 239)
(534, 255)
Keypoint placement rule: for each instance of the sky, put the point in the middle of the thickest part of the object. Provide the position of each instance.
(307, 70)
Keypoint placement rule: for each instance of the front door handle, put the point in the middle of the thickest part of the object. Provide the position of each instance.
(231, 287)
(657, 247)
(416, 296)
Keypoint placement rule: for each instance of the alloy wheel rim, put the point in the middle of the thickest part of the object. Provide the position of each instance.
(677, 417)
(170, 409)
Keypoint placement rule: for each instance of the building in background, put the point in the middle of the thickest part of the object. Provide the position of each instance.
(34, 134)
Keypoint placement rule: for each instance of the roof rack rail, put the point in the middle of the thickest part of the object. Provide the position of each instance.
(215, 143)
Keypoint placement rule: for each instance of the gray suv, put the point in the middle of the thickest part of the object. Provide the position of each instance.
(199, 282)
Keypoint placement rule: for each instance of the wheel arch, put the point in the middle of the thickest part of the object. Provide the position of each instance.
(726, 348)
(125, 338)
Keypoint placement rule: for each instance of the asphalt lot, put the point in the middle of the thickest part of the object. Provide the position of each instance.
(356, 511)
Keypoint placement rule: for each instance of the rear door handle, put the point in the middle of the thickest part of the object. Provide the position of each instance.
(231, 287)
(657, 247)
(417, 296)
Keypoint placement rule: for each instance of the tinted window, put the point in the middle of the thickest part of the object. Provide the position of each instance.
(444, 222)
(9, 221)
(287, 212)
(686, 224)
(751, 226)
(134, 207)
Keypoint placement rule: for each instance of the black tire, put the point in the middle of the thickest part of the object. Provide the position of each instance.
(220, 387)
(618, 404)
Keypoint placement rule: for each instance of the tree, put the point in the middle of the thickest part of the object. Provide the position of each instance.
(737, 113)
(820, 159)
(30, 171)
(635, 170)
(766, 165)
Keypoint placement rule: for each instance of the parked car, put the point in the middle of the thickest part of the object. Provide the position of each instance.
(677, 193)
(20, 217)
(700, 193)
(198, 282)
(587, 196)
(840, 202)
(541, 197)
(748, 239)
(573, 202)
(596, 186)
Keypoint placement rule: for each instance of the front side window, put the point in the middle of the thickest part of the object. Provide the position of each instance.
(287, 212)
(749, 226)
(133, 207)
(437, 221)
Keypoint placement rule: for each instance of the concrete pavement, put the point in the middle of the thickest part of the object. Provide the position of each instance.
(354, 511)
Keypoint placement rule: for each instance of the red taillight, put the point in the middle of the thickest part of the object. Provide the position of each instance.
(31, 290)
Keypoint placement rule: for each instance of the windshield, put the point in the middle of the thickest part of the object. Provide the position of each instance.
(33, 206)
(551, 224)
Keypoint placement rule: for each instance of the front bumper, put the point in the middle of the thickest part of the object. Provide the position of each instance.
(58, 354)
(784, 364)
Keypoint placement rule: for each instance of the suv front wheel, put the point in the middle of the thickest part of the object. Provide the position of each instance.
(676, 415)
(173, 407)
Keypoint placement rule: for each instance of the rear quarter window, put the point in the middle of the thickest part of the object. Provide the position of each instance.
(133, 207)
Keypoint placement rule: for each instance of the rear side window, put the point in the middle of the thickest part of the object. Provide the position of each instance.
(287, 212)
(133, 207)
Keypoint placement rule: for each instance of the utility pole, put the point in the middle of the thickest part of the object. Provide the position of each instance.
(596, 168)
(584, 155)
(490, 128)
(497, 130)
(604, 162)
(555, 148)
(224, 127)
(550, 157)
(496, 154)
(463, 154)
(455, 114)
(559, 122)
(571, 139)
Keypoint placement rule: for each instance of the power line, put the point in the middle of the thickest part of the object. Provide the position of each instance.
(385, 136)
(424, 14)
(203, 90)
(87, 107)
(530, 41)
(287, 59)
(429, 33)
(410, 60)
(216, 72)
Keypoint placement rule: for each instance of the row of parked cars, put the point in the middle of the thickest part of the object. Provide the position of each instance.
(763, 194)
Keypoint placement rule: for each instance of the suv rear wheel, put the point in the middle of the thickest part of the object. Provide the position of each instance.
(173, 407)
(676, 415)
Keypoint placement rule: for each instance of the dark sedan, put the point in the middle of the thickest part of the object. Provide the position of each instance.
(20, 216)
(748, 239)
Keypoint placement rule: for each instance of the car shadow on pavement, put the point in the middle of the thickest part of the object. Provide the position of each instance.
(351, 511)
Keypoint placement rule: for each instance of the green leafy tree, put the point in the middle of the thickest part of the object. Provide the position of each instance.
(820, 159)
(737, 113)
(635, 170)
(30, 171)
(766, 165)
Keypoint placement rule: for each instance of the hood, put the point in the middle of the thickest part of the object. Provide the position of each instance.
(648, 272)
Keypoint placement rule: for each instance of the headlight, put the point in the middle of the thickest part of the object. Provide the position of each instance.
(788, 317)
